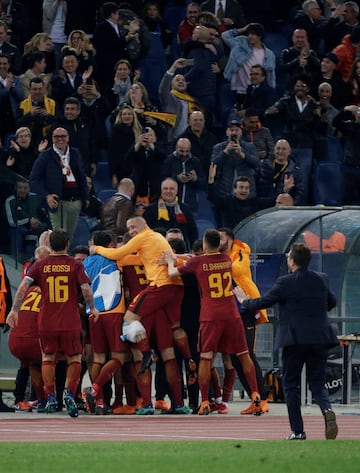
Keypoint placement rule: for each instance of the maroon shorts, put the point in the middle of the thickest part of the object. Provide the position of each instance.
(105, 333)
(158, 330)
(152, 299)
(25, 349)
(64, 342)
(223, 336)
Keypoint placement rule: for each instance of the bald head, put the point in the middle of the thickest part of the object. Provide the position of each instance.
(284, 200)
(126, 187)
(282, 151)
(183, 148)
(135, 225)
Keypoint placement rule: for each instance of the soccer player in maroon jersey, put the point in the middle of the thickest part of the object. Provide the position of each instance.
(59, 276)
(221, 328)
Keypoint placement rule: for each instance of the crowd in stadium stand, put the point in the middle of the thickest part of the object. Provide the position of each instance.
(128, 80)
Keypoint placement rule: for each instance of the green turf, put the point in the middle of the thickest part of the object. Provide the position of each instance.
(182, 457)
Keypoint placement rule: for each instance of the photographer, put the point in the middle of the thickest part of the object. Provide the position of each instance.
(233, 158)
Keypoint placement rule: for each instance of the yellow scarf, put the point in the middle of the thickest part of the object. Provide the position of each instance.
(192, 104)
(3, 291)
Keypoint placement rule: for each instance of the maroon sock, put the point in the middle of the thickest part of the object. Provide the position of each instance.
(174, 380)
(204, 376)
(229, 381)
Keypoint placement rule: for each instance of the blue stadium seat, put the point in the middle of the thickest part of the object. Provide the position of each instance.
(327, 184)
(105, 194)
(335, 150)
(203, 224)
(102, 179)
(205, 208)
(82, 233)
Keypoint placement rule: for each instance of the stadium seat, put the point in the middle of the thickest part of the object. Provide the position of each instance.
(105, 194)
(102, 179)
(82, 233)
(205, 208)
(327, 184)
(203, 224)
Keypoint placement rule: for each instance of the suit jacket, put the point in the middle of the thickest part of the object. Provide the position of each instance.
(304, 298)
(46, 175)
(233, 10)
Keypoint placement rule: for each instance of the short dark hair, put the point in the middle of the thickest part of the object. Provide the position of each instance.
(300, 254)
(36, 80)
(212, 238)
(3, 55)
(102, 238)
(178, 245)
(251, 112)
(74, 101)
(108, 8)
(303, 78)
(255, 28)
(81, 249)
(59, 238)
(262, 68)
(36, 56)
(228, 232)
(242, 179)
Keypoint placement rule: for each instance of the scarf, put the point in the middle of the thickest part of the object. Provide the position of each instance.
(192, 104)
(3, 292)
(163, 212)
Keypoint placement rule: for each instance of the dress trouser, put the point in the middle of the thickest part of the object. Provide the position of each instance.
(66, 216)
(294, 357)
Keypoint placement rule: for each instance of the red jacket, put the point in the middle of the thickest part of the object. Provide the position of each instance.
(346, 54)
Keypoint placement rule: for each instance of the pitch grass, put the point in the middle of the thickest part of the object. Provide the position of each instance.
(340, 456)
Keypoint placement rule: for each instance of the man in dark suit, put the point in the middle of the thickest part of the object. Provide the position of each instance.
(110, 46)
(230, 13)
(58, 177)
(304, 333)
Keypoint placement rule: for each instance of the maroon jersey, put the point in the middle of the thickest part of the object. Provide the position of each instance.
(59, 277)
(27, 326)
(134, 279)
(213, 273)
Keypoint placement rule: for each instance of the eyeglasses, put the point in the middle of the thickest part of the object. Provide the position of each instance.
(25, 135)
(60, 137)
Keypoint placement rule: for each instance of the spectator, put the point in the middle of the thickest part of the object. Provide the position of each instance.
(136, 34)
(37, 111)
(301, 118)
(343, 19)
(59, 179)
(54, 17)
(347, 122)
(36, 68)
(205, 54)
(354, 83)
(79, 41)
(95, 108)
(202, 140)
(230, 13)
(110, 46)
(299, 58)
(145, 160)
(26, 219)
(116, 210)
(254, 132)
(11, 94)
(259, 94)
(247, 49)
(10, 50)
(328, 73)
(139, 99)
(124, 133)
(234, 157)
(168, 212)
(154, 64)
(40, 42)
(123, 80)
(14, 15)
(187, 171)
(175, 98)
(346, 52)
(284, 200)
(280, 175)
(21, 155)
(187, 25)
(68, 79)
(80, 135)
(310, 20)
(238, 205)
